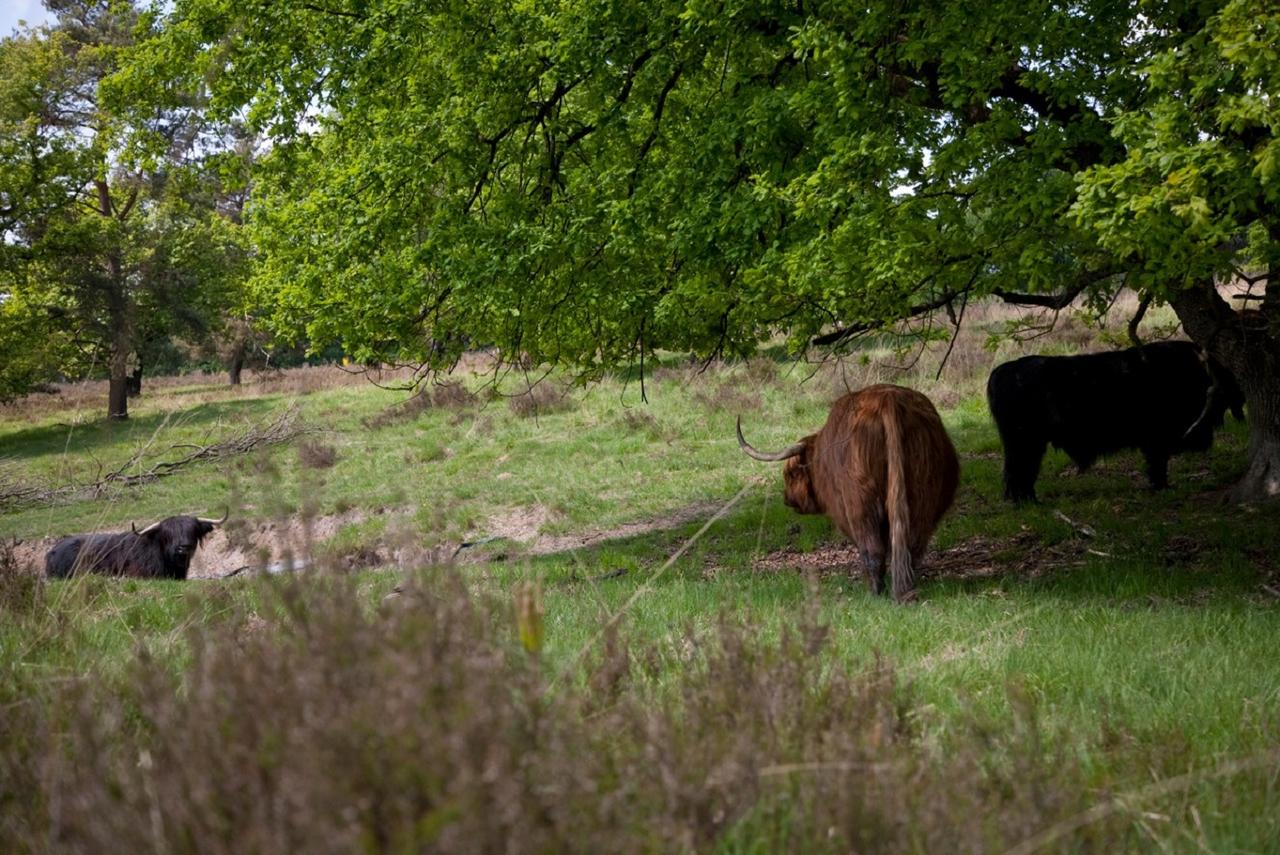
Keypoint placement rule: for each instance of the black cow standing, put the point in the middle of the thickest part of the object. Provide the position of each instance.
(1161, 398)
(162, 550)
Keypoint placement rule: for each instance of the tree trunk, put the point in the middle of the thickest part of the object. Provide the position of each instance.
(237, 362)
(118, 312)
(1247, 344)
(1262, 479)
(118, 389)
(135, 380)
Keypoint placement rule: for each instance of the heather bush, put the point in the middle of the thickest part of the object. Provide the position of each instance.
(317, 723)
(541, 399)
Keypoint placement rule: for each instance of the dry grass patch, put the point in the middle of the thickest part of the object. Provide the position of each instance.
(729, 395)
(541, 399)
(450, 395)
(314, 454)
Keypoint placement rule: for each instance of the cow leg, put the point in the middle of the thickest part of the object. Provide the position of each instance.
(1157, 467)
(1022, 458)
(873, 562)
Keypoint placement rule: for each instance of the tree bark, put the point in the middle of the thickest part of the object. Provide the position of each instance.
(118, 388)
(134, 385)
(118, 315)
(1247, 345)
(237, 362)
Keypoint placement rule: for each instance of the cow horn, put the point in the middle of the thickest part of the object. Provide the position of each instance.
(1210, 397)
(145, 530)
(768, 457)
(226, 513)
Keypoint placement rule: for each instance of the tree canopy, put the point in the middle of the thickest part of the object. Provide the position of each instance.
(110, 212)
(584, 181)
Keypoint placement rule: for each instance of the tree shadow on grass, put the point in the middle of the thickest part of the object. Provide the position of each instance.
(58, 439)
(1176, 548)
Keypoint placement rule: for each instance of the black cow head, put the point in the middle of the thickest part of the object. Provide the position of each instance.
(178, 538)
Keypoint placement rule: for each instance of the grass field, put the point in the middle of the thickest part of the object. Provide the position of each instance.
(1053, 688)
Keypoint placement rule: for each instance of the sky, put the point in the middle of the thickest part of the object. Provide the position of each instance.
(31, 11)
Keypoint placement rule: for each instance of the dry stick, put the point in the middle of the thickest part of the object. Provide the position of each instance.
(1080, 528)
(1160, 788)
(645, 586)
(780, 769)
(764, 508)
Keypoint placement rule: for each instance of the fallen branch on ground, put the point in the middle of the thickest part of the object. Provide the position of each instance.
(134, 471)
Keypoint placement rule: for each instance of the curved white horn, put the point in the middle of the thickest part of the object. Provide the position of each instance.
(767, 456)
(214, 522)
(145, 530)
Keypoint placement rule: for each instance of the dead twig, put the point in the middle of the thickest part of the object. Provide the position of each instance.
(1080, 528)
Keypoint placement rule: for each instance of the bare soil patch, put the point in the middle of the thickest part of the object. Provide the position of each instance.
(551, 544)
(975, 558)
(524, 525)
(239, 544)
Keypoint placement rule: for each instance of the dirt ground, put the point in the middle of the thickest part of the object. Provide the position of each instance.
(233, 547)
(977, 557)
(294, 543)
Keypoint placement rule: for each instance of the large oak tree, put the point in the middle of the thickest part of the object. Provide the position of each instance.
(586, 180)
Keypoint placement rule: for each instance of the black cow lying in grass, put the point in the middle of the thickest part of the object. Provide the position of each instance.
(162, 550)
(1161, 398)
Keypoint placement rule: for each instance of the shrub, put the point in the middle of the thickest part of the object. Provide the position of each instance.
(450, 395)
(541, 399)
(321, 725)
(316, 455)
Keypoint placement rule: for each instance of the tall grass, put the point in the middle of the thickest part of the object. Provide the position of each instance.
(1081, 693)
(316, 723)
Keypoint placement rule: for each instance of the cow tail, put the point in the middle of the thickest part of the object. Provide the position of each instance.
(902, 571)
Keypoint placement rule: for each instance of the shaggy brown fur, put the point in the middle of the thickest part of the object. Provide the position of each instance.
(885, 471)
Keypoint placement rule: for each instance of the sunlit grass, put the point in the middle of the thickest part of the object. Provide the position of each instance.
(1147, 646)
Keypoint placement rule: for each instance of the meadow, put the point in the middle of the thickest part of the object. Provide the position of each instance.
(562, 617)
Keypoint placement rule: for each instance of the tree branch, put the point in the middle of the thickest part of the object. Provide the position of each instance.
(1137, 319)
(915, 311)
(1046, 301)
(649, 140)
(128, 205)
(312, 7)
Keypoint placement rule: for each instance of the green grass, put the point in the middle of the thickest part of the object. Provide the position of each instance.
(1149, 649)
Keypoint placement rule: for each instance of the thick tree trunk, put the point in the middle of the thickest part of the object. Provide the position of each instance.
(1247, 344)
(118, 388)
(118, 309)
(121, 347)
(1262, 479)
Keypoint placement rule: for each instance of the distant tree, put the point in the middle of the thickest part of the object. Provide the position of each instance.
(111, 239)
(584, 182)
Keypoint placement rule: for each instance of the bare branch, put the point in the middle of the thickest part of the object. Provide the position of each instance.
(1137, 319)
(131, 473)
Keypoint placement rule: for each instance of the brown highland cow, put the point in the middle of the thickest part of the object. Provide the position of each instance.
(883, 469)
